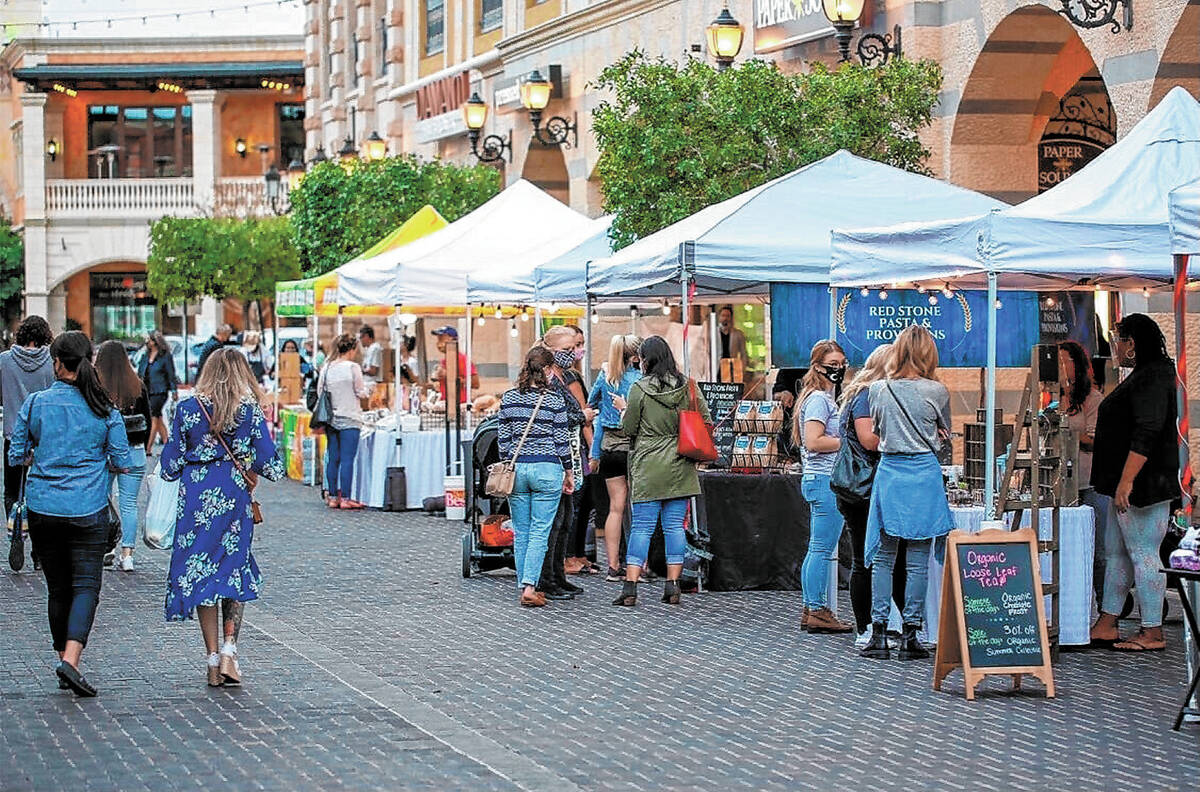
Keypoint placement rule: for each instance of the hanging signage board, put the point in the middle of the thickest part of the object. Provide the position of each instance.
(1059, 157)
(992, 619)
(958, 323)
(722, 398)
(1068, 316)
(782, 23)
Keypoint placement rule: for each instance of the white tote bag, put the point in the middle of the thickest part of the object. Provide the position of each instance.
(161, 512)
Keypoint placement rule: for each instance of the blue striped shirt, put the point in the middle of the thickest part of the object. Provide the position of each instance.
(549, 438)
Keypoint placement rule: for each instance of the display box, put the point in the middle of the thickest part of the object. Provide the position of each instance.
(288, 366)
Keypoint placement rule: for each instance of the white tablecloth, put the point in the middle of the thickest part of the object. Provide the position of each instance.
(1077, 539)
(421, 454)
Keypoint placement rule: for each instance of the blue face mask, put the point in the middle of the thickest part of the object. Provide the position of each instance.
(565, 358)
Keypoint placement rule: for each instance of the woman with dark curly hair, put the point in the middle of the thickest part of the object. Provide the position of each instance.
(1080, 404)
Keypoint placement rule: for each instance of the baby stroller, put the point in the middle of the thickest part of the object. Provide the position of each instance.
(485, 545)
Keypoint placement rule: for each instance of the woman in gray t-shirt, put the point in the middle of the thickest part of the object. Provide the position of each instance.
(911, 412)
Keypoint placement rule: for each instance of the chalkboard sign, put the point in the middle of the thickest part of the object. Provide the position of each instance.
(722, 398)
(992, 617)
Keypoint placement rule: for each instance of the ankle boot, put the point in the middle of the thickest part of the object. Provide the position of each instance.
(671, 592)
(628, 596)
(877, 649)
(910, 645)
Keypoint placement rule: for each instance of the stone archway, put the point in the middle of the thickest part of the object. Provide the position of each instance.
(1180, 62)
(1030, 62)
(546, 167)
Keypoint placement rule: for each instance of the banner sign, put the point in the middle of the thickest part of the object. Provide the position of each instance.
(1059, 157)
(782, 23)
(800, 318)
(1068, 316)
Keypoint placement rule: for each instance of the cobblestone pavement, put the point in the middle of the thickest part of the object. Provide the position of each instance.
(370, 663)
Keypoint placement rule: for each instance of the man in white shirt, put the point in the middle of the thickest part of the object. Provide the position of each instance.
(372, 360)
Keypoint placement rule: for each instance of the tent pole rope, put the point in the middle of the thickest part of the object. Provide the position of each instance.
(989, 448)
(1183, 422)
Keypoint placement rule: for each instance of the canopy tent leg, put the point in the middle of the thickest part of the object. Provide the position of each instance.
(397, 358)
(537, 320)
(683, 314)
(714, 346)
(275, 344)
(468, 336)
(989, 444)
(1183, 422)
(339, 320)
(587, 342)
(185, 343)
(832, 313)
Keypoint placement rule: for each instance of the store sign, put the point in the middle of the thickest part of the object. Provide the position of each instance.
(782, 23)
(446, 125)
(443, 96)
(1058, 158)
(800, 318)
(120, 289)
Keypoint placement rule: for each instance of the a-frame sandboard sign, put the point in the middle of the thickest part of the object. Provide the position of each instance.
(992, 616)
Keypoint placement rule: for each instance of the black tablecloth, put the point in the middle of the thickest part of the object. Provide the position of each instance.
(758, 526)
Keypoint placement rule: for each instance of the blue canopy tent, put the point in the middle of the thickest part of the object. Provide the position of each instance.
(1105, 227)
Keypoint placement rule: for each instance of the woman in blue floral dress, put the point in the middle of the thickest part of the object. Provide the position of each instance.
(212, 563)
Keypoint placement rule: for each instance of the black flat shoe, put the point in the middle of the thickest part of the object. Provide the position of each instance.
(558, 594)
(70, 675)
(571, 587)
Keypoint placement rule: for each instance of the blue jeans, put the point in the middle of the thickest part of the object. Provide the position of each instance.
(533, 505)
(128, 485)
(917, 567)
(825, 529)
(341, 446)
(1101, 504)
(71, 550)
(645, 518)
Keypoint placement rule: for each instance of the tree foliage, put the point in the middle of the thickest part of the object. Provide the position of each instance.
(675, 138)
(12, 269)
(219, 257)
(338, 212)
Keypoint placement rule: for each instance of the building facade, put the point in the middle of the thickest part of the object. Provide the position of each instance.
(106, 135)
(1016, 71)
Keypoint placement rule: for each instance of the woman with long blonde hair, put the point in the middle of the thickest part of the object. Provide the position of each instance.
(219, 445)
(911, 411)
(610, 448)
(859, 431)
(817, 431)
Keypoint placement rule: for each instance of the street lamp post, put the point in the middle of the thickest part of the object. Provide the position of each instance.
(725, 36)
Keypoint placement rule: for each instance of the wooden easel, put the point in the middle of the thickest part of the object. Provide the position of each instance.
(1026, 455)
(952, 647)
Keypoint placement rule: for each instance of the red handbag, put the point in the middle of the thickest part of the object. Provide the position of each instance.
(695, 434)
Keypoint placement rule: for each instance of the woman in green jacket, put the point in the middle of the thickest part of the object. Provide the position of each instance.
(661, 481)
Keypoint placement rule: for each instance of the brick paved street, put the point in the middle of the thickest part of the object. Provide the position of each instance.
(371, 664)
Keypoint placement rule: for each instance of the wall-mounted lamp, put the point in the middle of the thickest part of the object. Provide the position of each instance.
(52, 149)
(240, 147)
(348, 152)
(725, 35)
(376, 147)
(535, 95)
(295, 174)
(475, 113)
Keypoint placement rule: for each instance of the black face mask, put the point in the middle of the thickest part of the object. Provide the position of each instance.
(834, 374)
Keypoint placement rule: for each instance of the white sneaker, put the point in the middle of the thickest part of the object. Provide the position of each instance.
(127, 563)
(863, 639)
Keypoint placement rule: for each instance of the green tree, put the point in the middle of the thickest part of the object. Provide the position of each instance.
(675, 138)
(340, 211)
(220, 257)
(12, 270)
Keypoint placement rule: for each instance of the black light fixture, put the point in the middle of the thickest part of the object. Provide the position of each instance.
(475, 113)
(535, 95)
(272, 178)
(874, 49)
(319, 157)
(376, 147)
(295, 174)
(52, 149)
(240, 147)
(725, 36)
(348, 152)
(1090, 14)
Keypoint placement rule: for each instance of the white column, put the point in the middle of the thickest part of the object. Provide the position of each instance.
(206, 145)
(33, 181)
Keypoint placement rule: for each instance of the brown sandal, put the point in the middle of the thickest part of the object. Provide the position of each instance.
(1138, 643)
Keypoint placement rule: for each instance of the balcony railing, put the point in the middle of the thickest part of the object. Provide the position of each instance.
(246, 196)
(150, 198)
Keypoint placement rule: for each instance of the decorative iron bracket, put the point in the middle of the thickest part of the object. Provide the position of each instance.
(1090, 14)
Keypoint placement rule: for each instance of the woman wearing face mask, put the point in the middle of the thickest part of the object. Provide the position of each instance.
(583, 500)
(1136, 463)
(562, 343)
(817, 430)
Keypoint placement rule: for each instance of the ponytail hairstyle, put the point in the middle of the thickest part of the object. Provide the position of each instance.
(73, 351)
(535, 373)
(621, 351)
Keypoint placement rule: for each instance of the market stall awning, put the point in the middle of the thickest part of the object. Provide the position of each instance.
(1185, 219)
(318, 295)
(433, 270)
(553, 273)
(1106, 225)
(778, 232)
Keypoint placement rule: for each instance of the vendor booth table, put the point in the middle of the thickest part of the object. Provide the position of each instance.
(422, 454)
(758, 528)
(1077, 540)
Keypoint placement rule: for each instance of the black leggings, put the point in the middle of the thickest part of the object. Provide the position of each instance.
(860, 575)
(72, 554)
(554, 574)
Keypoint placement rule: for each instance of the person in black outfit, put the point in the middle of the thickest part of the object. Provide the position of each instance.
(1135, 461)
(218, 340)
(157, 370)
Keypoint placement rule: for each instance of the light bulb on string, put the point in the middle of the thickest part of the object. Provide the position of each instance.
(946, 290)
(595, 317)
(499, 314)
(883, 294)
(921, 290)
(865, 292)
(933, 300)
(1050, 302)
(1146, 291)
(524, 314)
(553, 307)
(666, 308)
(481, 321)
(999, 304)
(513, 329)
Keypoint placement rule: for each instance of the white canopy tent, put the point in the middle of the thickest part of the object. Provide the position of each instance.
(1185, 220)
(1104, 227)
(777, 232)
(499, 236)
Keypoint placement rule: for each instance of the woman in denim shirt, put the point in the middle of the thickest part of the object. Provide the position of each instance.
(70, 436)
(610, 448)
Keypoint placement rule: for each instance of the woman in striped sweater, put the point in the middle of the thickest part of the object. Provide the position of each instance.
(534, 406)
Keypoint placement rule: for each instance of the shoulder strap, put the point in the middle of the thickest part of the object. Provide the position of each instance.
(529, 425)
(908, 417)
(215, 433)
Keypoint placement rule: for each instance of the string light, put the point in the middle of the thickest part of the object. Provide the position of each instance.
(1050, 302)
(145, 18)
(946, 290)
(865, 292)
(933, 299)
(524, 314)
(999, 304)
(1145, 291)
(553, 307)
(883, 294)
(921, 290)
(481, 321)
(595, 317)
(666, 309)
(513, 330)
(499, 314)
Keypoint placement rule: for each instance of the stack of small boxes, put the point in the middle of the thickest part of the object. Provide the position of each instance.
(288, 370)
(756, 426)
